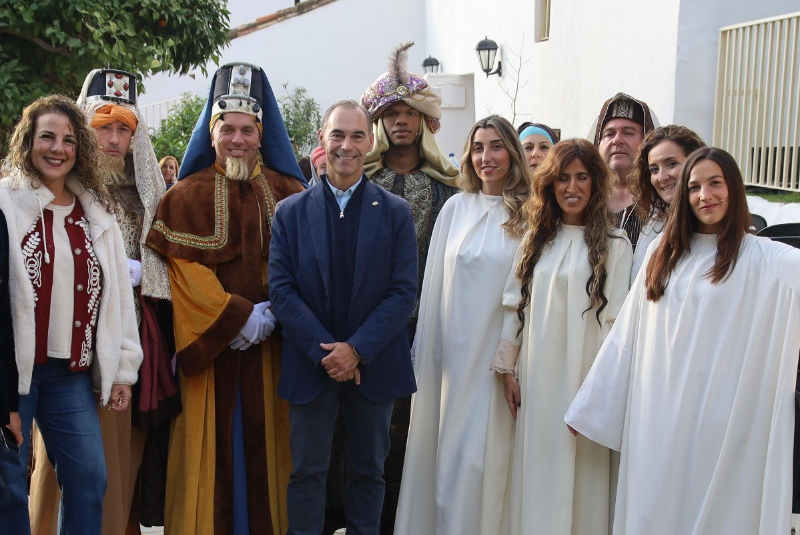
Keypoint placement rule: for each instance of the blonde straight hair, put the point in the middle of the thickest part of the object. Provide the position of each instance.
(517, 185)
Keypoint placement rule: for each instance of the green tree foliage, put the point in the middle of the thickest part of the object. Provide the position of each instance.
(302, 118)
(173, 135)
(300, 113)
(49, 46)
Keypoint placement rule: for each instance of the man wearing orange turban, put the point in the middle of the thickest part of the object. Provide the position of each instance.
(114, 126)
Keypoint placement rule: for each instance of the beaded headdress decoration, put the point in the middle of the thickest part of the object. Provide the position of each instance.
(398, 84)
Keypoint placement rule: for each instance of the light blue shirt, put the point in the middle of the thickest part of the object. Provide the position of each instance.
(343, 197)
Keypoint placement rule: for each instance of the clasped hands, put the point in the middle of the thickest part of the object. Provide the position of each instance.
(342, 362)
(259, 325)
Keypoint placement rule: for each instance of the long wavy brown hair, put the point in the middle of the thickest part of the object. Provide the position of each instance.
(543, 220)
(649, 204)
(517, 186)
(682, 224)
(87, 155)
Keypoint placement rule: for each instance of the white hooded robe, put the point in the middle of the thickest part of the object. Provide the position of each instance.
(697, 391)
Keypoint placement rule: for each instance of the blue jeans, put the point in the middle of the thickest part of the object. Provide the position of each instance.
(367, 425)
(63, 404)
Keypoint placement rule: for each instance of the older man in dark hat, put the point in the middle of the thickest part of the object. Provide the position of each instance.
(229, 460)
(618, 131)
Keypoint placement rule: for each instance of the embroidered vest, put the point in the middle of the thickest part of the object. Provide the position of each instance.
(87, 290)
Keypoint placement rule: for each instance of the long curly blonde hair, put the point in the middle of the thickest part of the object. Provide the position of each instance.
(87, 154)
(517, 186)
(543, 220)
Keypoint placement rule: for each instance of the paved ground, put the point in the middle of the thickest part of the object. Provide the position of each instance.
(160, 530)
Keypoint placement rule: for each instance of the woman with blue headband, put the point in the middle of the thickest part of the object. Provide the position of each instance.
(537, 139)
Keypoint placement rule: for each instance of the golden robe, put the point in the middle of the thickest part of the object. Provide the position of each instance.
(215, 234)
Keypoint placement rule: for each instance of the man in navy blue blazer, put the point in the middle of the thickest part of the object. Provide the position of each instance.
(343, 282)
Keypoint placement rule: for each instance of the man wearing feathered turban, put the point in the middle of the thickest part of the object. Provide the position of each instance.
(407, 161)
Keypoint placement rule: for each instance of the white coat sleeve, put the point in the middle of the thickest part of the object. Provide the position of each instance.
(506, 358)
(130, 346)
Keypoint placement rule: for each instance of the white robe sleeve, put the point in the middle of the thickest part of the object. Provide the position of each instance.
(506, 358)
(427, 342)
(784, 260)
(599, 410)
(618, 283)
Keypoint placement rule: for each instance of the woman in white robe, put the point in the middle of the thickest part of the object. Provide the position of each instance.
(656, 170)
(460, 321)
(569, 282)
(695, 383)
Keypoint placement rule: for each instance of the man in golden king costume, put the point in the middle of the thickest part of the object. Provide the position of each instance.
(229, 460)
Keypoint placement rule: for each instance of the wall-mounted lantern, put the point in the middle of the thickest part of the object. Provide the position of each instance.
(487, 51)
(431, 65)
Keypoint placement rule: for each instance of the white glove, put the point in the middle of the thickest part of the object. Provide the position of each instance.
(270, 318)
(258, 326)
(135, 272)
(240, 343)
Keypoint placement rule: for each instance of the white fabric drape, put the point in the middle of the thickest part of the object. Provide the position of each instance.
(651, 232)
(460, 321)
(697, 392)
(560, 484)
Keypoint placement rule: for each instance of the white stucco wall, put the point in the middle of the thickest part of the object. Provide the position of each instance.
(698, 44)
(334, 51)
(244, 11)
(663, 52)
(458, 110)
(595, 50)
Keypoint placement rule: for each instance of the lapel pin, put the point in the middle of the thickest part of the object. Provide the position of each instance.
(374, 203)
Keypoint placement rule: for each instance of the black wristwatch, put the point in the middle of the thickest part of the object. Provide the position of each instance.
(359, 355)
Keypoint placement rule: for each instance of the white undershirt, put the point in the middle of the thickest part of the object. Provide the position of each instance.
(59, 339)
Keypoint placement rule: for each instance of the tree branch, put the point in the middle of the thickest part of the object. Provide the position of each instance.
(40, 42)
(513, 95)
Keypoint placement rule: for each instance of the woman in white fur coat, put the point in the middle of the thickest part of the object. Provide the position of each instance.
(74, 321)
